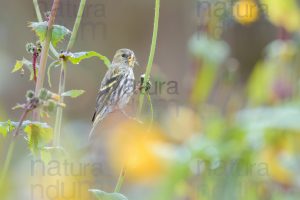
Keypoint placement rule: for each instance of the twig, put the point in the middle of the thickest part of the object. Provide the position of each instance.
(28, 107)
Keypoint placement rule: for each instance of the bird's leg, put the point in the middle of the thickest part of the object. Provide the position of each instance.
(130, 117)
(141, 86)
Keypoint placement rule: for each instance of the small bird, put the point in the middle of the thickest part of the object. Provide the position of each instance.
(117, 86)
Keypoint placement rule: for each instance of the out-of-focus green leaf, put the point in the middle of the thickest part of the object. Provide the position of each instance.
(18, 66)
(58, 32)
(6, 127)
(73, 93)
(77, 57)
(257, 121)
(38, 135)
(204, 82)
(48, 153)
(101, 195)
(284, 117)
(208, 49)
(283, 13)
(260, 83)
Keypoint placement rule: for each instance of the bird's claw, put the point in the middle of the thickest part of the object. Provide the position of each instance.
(145, 87)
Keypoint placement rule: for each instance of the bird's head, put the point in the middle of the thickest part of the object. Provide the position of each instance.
(125, 56)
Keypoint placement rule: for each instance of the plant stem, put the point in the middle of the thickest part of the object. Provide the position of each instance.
(76, 25)
(120, 180)
(59, 112)
(61, 90)
(40, 19)
(44, 55)
(37, 10)
(151, 56)
(7, 163)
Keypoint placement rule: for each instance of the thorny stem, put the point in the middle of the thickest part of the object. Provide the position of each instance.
(7, 163)
(59, 112)
(151, 56)
(44, 54)
(40, 19)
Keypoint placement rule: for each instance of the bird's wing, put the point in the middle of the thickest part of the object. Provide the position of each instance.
(109, 84)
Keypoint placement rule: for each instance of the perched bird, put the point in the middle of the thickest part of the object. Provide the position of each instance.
(117, 86)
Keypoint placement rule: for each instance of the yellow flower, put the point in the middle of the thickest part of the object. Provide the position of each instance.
(133, 147)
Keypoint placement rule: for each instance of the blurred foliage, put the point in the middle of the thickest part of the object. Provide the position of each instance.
(224, 141)
(283, 13)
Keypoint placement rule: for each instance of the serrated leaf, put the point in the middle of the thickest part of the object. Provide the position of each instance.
(38, 135)
(76, 58)
(40, 29)
(18, 66)
(101, 195)
(58, 32)
(73, 93)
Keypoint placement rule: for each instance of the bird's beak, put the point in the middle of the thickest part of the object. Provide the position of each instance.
(131, 61)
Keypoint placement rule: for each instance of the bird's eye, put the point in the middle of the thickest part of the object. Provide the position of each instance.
(124, 55)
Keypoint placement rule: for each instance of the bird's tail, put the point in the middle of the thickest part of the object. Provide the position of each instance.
(97, 120)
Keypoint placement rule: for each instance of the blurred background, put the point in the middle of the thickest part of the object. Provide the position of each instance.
(225, 95)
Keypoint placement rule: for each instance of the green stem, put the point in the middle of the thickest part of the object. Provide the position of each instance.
(37, 10)
(76, 25)
(44, 55)
(151, 56)
(7, 163)
(40, 19)
(151, 109)
(120, 180)
(61, 90)
(59, 112)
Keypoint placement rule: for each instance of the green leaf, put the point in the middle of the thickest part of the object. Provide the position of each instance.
(76, 58)
(58, 32)
(101, 195)
(38, 135)
(28, 64)
(73, 93)
(18, 66)
(6, 127)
